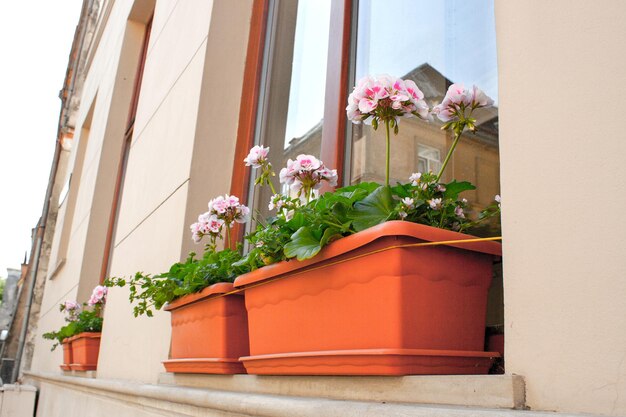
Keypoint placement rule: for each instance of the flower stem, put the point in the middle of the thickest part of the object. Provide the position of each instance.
(271, 186)
(457, 136)
(267, 176)
(227, 243)
(387, 153)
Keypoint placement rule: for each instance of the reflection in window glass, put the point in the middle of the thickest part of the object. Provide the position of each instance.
(292, 101)
(451, 41)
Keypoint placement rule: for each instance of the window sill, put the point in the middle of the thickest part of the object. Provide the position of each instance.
(81, 374)
(487, 391)
(302, 396)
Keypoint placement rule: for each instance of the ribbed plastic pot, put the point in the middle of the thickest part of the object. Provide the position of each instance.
(85, 351)
(209, 332)
(368, 306)
(67, 354)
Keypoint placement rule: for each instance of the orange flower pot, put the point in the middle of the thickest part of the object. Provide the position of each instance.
(67, 354)
(209, 332)
(365, 306)
(85, 350)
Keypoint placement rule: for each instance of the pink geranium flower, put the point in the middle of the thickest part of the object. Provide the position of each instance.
(384, 98)
(257, 156)
(306, 173)
(98, 296)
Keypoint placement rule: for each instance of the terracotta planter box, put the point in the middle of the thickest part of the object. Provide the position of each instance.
(495, 342)
(209, 332)
(67, 354)
(397, 311)
(85, 351)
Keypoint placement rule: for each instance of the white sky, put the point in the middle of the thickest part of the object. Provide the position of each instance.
(35, 42)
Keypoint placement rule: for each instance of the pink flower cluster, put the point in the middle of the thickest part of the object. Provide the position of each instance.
(207, 224)
(306, 173)
(223, 210)
(72, 308)
(458, 99)
(98, 296)
(383, 98)
(257, 157)
(229, 209)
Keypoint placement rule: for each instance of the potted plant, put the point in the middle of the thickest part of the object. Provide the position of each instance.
(209, 324)
(80, 337)
(385, 281)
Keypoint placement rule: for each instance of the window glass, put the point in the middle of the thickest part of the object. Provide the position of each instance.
(434, 43)
(291, 104)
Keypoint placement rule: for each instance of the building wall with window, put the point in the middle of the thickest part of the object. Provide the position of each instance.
(563, 272)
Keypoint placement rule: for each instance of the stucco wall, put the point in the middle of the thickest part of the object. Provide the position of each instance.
(107, 89)
(562, 143)
(181, 155)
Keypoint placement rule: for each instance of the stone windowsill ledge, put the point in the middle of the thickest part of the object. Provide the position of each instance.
(185, 400)
(489, 391)
(81, 374)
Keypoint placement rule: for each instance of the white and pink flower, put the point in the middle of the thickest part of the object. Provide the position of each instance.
(228, 209)
(71, 306)
(257, 156)
(207, 224)
(408, 202)
(435, 203)
(98, 296)
(458, 99)
(307, 173)
(415, 178)
(383, 98)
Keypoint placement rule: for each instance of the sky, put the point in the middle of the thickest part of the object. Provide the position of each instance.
(35, 41)
(456, 37)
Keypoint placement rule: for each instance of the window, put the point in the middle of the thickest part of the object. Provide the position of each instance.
(313, 52)
(433, 42)
(446, 42)
(291, 102)
(428, 159)
(65, 190)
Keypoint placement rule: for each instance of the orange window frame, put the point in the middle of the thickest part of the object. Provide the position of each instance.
(336, 93)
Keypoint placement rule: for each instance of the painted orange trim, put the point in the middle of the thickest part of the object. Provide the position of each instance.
(333, 134)
(240, 181)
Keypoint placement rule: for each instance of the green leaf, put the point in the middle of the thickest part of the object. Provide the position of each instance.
(329, 234)
(296, 222)
(303, 244)
(454, 188)
(373, 209)
(401, 190)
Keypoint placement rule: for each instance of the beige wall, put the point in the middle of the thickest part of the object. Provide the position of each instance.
(181, 155)
(562, 143)
(107, 90)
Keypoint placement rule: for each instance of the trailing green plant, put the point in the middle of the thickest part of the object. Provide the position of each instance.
(87, 321)
(302, 231)
(150, 292)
